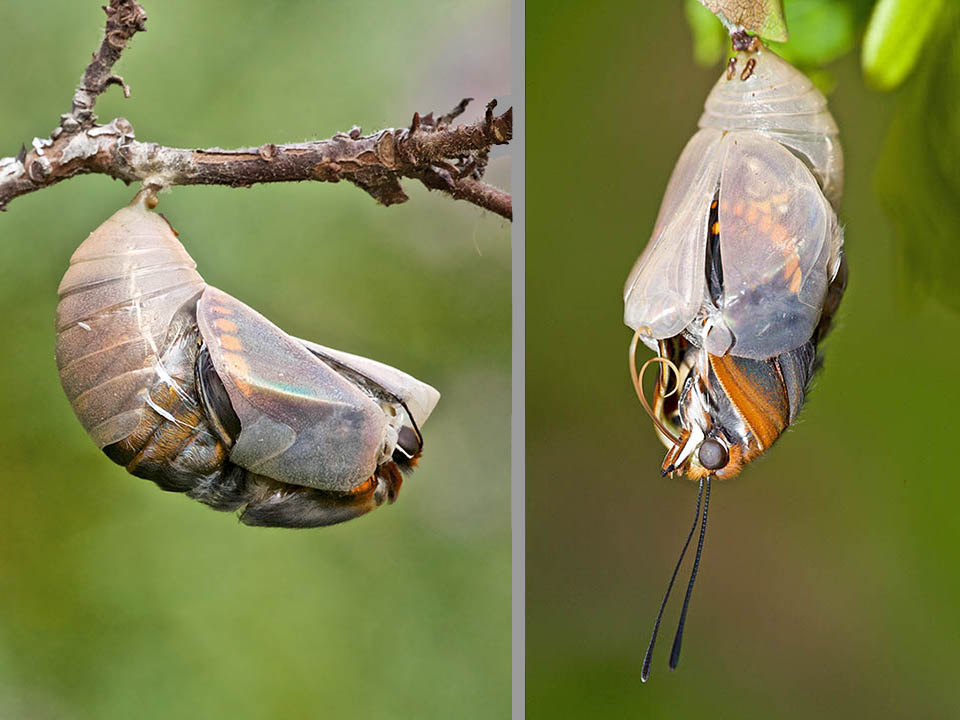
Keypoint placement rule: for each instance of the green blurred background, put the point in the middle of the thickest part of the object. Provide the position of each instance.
(118, 600)
(829, 585)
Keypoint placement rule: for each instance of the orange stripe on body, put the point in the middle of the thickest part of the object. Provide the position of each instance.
(765, 415)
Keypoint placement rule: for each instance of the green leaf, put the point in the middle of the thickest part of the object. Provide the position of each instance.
(918, 176)
(896, 34)
(820, 32)
(761, 17)
(709, 37)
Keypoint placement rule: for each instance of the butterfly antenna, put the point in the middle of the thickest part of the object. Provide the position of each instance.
(648, 657)
(678, 638)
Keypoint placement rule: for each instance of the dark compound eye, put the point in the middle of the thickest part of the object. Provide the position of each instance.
(713, 455)
(408, 442)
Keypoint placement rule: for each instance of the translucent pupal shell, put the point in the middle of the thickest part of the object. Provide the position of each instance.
(666, 287)
(757, 153)
(782, 103)
(780, 247)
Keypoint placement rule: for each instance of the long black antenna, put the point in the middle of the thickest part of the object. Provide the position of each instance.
(678, 638)
(648, 657)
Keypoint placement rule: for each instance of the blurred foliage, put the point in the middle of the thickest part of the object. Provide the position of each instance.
(828, 587)
(918, 174)
(710, 39)
(120, 601)
(897, 32)
(820, 31)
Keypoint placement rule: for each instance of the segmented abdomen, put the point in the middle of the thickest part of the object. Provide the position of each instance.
(124, 285)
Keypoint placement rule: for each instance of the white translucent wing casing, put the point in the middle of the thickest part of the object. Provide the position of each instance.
(779, 245)
(768, 141)
(780, 101)
(419, 397)
(667, 285)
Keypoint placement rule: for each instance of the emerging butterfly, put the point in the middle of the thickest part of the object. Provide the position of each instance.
(186, 386)
(740, 280)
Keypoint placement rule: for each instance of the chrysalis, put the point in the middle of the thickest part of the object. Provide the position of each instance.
(186, 386)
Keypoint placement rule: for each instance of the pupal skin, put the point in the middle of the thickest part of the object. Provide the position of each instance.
(184, 385)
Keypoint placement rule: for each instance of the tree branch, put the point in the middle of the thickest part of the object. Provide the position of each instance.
(432, 151)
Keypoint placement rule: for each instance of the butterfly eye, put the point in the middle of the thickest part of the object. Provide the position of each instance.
(408, 442)
(713, 455)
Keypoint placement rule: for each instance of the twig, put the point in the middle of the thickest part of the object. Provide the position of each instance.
(125, 18)
(442, 157)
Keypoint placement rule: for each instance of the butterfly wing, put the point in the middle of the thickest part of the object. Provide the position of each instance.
(301, 421)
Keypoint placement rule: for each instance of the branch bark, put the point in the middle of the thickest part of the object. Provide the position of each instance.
(432, 151)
